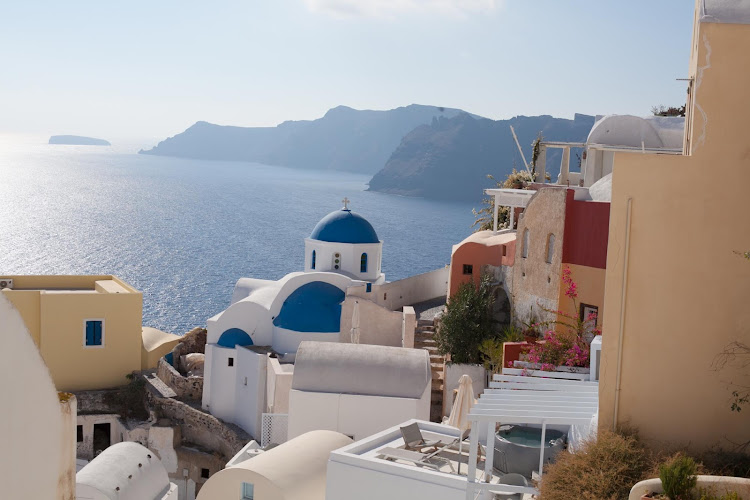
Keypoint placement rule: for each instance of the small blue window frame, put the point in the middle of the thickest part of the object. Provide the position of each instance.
(93, 332)
(363, 263)
(369, 287)
(248, 491)
(312, 263)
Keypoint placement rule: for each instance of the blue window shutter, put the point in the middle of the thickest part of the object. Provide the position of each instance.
(89, 333)
(363, 263)
(97, 333)
(313, 260)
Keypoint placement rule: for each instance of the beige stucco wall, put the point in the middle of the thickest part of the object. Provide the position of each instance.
(683, 290)
(590, 281)
(536, 284)
(58, 319)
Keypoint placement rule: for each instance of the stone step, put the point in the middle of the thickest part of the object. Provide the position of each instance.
(424, 329)
(425, 322)
(424, 341)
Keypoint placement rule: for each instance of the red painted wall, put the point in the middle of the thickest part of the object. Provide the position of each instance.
(586, 232)
(478, 255)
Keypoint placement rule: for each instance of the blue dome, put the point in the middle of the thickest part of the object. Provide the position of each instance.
(344, 226)
(313, 307)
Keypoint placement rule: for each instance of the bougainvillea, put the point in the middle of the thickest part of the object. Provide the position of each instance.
(570, 345)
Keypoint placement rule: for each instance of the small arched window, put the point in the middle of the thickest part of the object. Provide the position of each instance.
(363, 263)
(525, 248)
(312, 264)
(550, 247)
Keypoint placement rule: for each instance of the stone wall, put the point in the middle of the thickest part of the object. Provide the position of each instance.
(536, 282)
(202, 428)
(192, 341)
(190, 388)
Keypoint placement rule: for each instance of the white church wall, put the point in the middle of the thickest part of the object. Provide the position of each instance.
(408, 291)
(350, 258)
(249, 316)
(377, 325)
(285, 341)
(250, 391)
(355, 415)
(220, 380)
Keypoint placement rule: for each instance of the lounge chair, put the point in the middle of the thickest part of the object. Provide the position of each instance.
(513, 480)
(428, 460)
(413, 440)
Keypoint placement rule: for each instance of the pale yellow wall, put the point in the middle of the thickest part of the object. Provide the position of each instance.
(56, 320)
(590, 281)
(27, 304)
(685, 292)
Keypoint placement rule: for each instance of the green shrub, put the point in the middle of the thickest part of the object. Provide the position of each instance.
(678, 477)
(467, 322)
(604, 469)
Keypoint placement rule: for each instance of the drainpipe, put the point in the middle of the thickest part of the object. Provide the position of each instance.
(623, 292)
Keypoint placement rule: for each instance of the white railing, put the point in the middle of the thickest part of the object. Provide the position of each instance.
(273, 428)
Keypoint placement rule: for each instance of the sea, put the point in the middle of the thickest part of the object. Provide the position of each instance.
(184, 231)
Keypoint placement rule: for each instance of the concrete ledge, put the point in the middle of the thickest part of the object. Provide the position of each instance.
(717, 485)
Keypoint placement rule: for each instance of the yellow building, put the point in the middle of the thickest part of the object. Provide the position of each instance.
(87, 328)
(676, 294)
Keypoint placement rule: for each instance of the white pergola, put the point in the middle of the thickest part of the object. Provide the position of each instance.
(513, 399)
(506, 197)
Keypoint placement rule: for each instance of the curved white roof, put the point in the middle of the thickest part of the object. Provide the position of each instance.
(601, 190)
(295, 470)
(124, 471)
(361, 369)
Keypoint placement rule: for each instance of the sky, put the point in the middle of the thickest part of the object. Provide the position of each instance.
(144, 70)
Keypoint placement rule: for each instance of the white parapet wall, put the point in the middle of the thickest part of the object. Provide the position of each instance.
(408, 291)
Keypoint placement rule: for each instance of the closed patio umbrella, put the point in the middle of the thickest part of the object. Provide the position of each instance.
(459, 416)
(355, 323)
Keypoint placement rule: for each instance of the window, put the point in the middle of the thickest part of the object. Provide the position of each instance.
(363, 263)
(205, 473)
(468, 269)
(369, 287)
(587, 311)
(312, 265)
(525, 249)
(230, 362)
(94, 333)
(79, 434)
(550, 247)
(247, 491)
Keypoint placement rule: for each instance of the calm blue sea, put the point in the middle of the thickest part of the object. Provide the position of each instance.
(183, 231)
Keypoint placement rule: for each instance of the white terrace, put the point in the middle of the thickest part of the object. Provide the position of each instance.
(379, 467)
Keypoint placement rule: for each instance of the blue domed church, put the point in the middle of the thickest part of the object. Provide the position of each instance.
(266, 316)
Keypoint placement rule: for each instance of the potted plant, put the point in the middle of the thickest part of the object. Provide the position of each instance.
(678, 479)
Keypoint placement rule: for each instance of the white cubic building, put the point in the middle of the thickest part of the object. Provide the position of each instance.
(357, 390)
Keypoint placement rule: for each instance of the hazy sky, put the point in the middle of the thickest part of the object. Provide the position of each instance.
(149, 69)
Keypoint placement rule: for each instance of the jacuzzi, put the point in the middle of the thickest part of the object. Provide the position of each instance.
(517, 448)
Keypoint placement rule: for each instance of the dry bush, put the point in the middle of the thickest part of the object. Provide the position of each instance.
(604, 469)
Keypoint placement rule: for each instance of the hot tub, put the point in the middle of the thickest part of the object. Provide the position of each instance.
(517, 448)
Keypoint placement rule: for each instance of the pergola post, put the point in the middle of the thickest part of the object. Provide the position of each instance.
(471, 474)
(565, 166)
(541, 165)
(494, 227)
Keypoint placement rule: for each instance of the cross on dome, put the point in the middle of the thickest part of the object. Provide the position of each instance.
(346, 202)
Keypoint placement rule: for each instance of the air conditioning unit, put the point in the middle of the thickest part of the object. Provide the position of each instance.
(6, 283)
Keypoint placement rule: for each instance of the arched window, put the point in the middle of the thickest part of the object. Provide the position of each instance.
(363, 263)
(525, 248)
(550, 247)
(312, 265)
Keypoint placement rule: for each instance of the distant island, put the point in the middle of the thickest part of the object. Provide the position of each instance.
(416, 150)
(77, 140)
